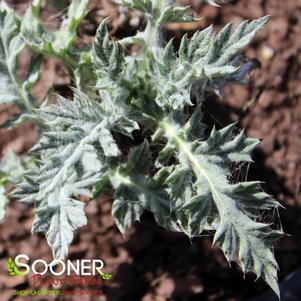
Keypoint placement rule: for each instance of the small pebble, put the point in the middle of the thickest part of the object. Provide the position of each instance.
(266, 53)
(134, 22)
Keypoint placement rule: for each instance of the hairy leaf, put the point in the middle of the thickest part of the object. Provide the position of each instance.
(163, 11)
(141, 193)
(11, 44)
(3, 199)
(144, 5)
(11, 170)
(202, 59)
(57, 42)
(134, 193)
(73, 154)
(59, 221)
(107, 56)
(214, 201)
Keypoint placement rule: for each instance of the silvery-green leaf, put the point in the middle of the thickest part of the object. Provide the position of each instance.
(73, 153)
(108, 143)
(240, 38)
(163, 11)
(175, 92)
(148, 194)
(14, 166)
(65, 37)
(202, 60)
(139, 159)
(199, 211)
(212, 72)
(165, 155)
(212, 2)
(172, 13)
(33, 73)
(33, 33)
(178, 182)
(126, 126)
(3, 201)
(194, 127)
(224, 146)
(198, 45)
(230, 206)
(56, 42)
(11, 46)
(126, 212)
(28, 189)
(59, 223)
(108, 56)
(143, 5)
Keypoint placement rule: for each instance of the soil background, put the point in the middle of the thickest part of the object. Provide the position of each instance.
(151, 263)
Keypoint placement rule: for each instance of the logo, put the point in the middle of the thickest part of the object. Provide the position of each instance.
(82, 267)
(12, 269)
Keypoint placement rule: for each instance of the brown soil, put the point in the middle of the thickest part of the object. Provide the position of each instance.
(150, 263)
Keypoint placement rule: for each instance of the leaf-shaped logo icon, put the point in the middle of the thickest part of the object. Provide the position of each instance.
(12, 269)
(105, 276)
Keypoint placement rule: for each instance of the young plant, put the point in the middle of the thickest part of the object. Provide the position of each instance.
(134, 130)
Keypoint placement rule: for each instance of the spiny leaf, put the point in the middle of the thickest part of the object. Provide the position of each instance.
(144, 194)
(172, 13)
(203, 57)
(73, 153)
(125, 212)
(28, 188)
(144, 5)
(57, 42)
(139, 159)
(107, 55)
(227, 207)
(240, 38)
(162, 11)
(11, 171)
(221, 147)
(135, 193)
(3, 201)
(59, 221)
(11, 45)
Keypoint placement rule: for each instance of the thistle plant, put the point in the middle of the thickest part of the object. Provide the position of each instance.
(134, 130)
